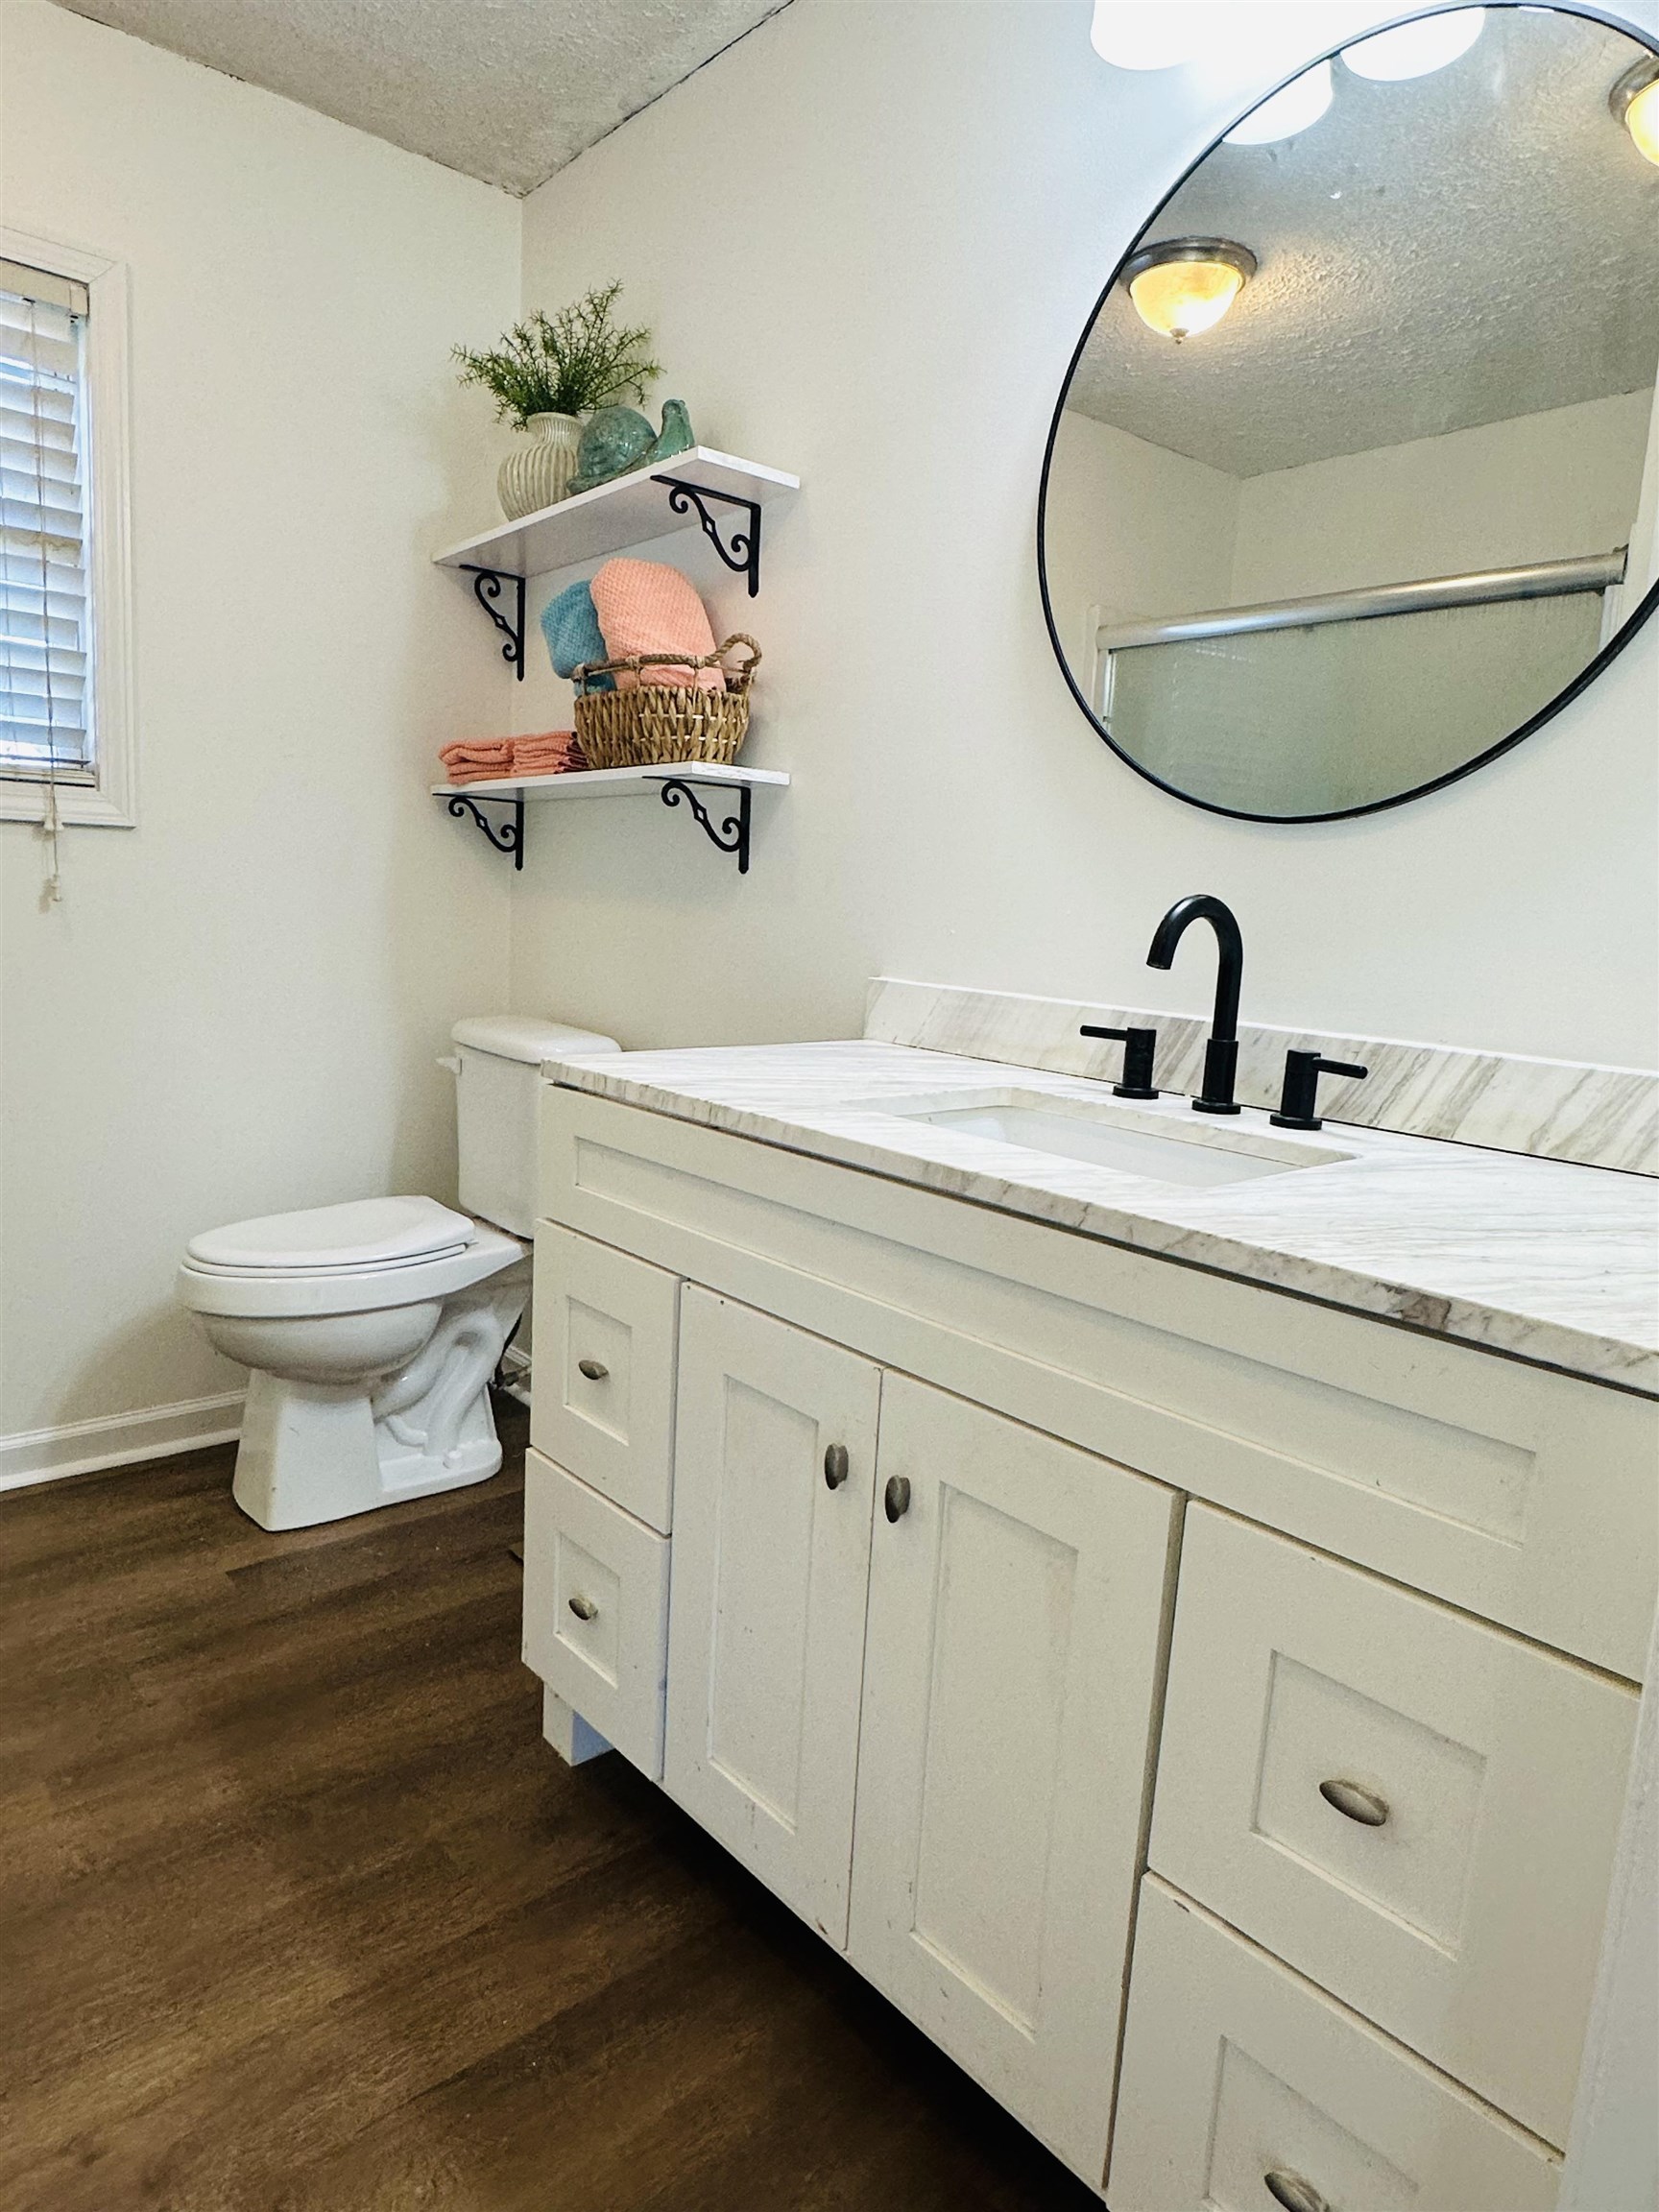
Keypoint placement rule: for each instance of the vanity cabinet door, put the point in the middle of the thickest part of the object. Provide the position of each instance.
(1017, 1608)
(775, 1463)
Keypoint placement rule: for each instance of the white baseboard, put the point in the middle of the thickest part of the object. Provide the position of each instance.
(80, 1447)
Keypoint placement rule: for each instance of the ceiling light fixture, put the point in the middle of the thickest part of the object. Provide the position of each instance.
(1635, 102)
(1417, 48)
(1186, 284)
(1301, 102)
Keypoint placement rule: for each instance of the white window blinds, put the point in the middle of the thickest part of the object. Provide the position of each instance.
(45, 617)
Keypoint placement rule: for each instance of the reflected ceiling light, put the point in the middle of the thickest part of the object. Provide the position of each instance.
(1635, 101)
(1186, 284)
(1302, 102)
(1144, 33)
(1414, 49)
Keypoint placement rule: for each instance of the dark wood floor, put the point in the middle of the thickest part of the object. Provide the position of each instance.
(297, 1914)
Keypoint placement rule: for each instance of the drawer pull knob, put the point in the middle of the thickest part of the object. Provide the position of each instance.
(896, 1498)
(583, 1608)
(1293, 2193)
(595, 1370)
(1355, 1803)
(835, 1466)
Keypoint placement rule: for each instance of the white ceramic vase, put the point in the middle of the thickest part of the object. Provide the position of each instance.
(538, 473)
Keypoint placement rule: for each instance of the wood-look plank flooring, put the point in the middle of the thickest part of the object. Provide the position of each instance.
(298, 1913)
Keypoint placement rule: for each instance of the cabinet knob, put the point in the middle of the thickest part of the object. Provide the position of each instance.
(896, 1498)
(835, 1465)
(1355, 1803)
(1293, 2193)
(595, 1370)
(583, 1608)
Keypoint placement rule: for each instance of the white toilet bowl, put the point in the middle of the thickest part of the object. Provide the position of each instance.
(373, 1331)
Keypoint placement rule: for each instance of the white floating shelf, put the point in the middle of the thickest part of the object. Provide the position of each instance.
(674, 782)
(609, 782)
(629, 511)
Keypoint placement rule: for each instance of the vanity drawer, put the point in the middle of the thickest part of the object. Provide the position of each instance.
(602, 1373)
(596, 1610)
(1235, 2069)
(1415, 1810)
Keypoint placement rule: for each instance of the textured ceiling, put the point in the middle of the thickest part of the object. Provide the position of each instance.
(1453, 250)
(508, 90)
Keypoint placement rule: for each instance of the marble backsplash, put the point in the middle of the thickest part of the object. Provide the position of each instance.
(1553, 1109)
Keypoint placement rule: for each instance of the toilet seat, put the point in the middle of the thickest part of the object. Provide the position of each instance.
(264, 1293)
(362, 1232)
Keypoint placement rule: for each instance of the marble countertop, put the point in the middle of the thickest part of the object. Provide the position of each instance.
(1539, 1259)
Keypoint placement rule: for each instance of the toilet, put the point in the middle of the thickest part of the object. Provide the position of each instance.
(372, 1329)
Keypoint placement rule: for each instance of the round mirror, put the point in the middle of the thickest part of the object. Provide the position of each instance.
(1353, 480)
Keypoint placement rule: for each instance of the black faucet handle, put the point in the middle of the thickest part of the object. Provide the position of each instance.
(1301, 1093)
(1138, 1048)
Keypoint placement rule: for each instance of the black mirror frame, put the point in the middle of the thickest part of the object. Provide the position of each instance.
(1586, 676)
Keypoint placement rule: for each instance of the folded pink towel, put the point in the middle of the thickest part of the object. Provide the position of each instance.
(644, 607)
(485, 774)
(476, 759)
(476, 751)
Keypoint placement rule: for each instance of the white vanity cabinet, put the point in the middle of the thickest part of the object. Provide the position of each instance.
(1006, 1600)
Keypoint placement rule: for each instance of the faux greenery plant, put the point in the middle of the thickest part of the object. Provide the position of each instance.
(563, 364)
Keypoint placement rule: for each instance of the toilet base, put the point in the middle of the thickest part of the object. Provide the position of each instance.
(318, 1451)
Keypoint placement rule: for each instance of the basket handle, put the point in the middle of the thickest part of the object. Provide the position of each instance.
(738, 679)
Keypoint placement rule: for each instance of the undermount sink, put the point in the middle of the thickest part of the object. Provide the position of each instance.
(1138, 1145)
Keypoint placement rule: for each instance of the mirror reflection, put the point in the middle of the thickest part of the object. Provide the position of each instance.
(1355, 472)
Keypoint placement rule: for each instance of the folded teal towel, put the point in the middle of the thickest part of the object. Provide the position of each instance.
(573, 634)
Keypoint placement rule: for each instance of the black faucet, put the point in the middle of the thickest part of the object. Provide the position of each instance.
(1221, 1053)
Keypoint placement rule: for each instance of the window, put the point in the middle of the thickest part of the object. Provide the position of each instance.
(66, 727)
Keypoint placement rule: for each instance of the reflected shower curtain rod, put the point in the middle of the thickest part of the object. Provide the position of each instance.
(1541, 580)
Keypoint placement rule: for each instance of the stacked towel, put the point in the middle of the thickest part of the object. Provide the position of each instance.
(478, 759)
(552, 752)
(469, 760)
(644, 607)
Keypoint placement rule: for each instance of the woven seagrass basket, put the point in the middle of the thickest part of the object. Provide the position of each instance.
(655, 722)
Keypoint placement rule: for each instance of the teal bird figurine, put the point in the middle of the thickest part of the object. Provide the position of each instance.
(618, 439)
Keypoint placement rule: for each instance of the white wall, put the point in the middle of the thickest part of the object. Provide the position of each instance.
(1133, 532)
(236, 1008)
(1542, 486)
(866, 241)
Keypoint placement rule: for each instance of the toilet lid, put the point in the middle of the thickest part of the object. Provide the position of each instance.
(365, 1233)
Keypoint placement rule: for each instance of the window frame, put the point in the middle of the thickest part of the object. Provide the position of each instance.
(111, 802)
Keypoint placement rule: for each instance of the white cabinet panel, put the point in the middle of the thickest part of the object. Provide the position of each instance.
(1011, 1662)
(602, 1370)
(1416, 1810)
(774, 1474)
(596, 1610)
(1235, 2070)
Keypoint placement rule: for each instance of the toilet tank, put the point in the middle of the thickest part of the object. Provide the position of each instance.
(496, 1082)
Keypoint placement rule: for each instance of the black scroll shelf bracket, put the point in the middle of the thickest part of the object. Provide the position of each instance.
(507, 836)
(731, 835)
(742, 555)
(487, 588)
(728, 835)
